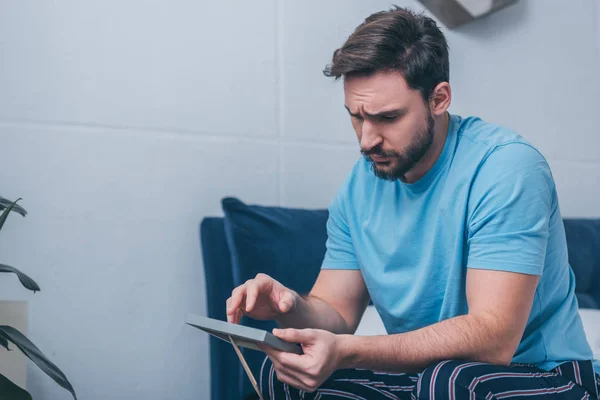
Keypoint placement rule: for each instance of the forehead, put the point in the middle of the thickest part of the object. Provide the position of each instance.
(378, 90)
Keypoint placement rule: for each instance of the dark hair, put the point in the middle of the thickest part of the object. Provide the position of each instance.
(397, 40)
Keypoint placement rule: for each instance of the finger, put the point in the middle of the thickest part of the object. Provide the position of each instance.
(289, 361)
(295, 335)
(230, 316)
(292, 370)
(238, 316)
(232, 313)
(292, 381)
(287, 302)
(299, 375)
(260, 277)
(251, 295)
(236, 299)
(228, 306)
(278, 357)
(234, 316)
(272, 353)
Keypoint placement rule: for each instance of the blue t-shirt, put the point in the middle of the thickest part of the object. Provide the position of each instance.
(489, 202)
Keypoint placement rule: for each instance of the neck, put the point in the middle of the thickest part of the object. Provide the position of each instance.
(440, 131)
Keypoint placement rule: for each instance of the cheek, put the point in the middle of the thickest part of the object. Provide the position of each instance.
(396, 134)
(402, 132)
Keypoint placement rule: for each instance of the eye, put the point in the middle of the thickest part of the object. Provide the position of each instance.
(358, 117)
(390, 118)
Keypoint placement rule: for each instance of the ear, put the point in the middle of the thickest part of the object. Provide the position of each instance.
(441, 98)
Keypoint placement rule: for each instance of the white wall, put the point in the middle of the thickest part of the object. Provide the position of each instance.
(123, 123)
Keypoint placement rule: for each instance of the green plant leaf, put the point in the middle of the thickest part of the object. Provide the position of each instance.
(4, 203)
(35, 355)
(7, 211)
(10, 391)
(25, 280)
(4, 343)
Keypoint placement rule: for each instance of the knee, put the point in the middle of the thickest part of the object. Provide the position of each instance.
(439, 372)
(437, 379)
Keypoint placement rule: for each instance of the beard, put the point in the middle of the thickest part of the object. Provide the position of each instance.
(400, 164)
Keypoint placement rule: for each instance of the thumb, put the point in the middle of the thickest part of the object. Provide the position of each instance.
(294, 335)
(287, 302)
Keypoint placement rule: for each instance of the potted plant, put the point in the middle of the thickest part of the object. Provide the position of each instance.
(9, 390)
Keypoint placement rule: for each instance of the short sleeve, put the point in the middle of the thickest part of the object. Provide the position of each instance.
(340, 249)
(510, 205)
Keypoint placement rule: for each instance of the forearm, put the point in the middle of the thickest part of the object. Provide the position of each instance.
(468, 337)
(313, 312)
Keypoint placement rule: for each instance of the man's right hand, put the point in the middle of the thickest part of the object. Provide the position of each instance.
(260, 298)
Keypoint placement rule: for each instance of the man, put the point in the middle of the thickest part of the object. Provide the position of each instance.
(451, 227)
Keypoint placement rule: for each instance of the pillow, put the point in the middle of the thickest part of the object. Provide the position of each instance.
(591, 325)
(285, 243)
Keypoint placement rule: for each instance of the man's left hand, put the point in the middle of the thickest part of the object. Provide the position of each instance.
(307, 371)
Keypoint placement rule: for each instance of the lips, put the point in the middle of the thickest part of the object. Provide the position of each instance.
(379, 159)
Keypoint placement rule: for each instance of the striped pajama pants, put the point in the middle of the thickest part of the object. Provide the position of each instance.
(447, 380)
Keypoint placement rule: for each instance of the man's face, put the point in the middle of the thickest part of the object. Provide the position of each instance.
(392, 122)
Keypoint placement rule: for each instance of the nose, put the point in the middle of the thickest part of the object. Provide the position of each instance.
(369, 136)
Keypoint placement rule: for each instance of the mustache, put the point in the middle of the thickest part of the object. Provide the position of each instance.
(378, 151)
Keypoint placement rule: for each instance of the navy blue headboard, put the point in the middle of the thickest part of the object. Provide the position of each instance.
(583, 241)
(224, 364)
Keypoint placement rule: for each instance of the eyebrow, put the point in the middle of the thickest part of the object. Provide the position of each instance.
(384, 113)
